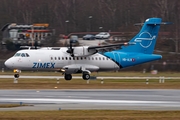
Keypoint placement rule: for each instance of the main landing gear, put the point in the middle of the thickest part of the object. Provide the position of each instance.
(85, 76)
(67, 76)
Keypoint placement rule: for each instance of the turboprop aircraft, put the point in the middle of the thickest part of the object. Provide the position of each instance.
(86, 59)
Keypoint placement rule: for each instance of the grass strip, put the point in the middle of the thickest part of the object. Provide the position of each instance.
(24, 83)
(90, 115)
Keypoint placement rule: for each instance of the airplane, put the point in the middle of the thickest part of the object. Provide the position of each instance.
(86, 59)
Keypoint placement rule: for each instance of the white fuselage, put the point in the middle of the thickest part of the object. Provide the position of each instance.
(47, 59)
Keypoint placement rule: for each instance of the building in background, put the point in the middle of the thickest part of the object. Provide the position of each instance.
(26, 34)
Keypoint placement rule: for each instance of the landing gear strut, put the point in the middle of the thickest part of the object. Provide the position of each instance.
(67, 76)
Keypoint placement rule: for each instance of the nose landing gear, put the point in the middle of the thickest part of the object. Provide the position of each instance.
(16, 75)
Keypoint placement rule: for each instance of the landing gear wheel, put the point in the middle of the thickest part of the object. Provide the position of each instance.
(16, 75)
(67, 76)
(86, 76)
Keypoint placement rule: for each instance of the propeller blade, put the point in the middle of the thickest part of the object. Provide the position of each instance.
(70, 49)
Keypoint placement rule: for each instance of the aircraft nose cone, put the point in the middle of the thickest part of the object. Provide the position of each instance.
(8, 63)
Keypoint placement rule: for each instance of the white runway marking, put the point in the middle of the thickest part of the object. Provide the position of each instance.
(42, 100)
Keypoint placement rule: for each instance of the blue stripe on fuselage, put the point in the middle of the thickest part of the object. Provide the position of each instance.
(130, 59)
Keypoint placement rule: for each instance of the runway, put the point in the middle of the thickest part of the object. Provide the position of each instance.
(107, 99)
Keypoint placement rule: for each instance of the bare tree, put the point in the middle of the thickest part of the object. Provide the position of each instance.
(168, 11)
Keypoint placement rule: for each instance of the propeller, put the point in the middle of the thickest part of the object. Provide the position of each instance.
(70, 49)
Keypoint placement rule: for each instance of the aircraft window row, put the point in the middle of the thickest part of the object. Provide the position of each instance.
(21, 55)
(79, 58)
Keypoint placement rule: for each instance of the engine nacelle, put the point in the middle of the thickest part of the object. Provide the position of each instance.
(83, 51)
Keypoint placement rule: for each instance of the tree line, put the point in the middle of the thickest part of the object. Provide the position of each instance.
(66, 16)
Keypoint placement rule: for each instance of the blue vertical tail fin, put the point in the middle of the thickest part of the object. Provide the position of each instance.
(145, 40)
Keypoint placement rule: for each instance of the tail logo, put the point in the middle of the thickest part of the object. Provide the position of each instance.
(145, 39)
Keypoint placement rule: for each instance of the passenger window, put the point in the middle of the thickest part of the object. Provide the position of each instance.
(55, 58)
(69, 58)
(103, 58)
(81, 58)
(62, 58)
(92, 58)
(99, 58)
(58, 58)
(77, 58)
(66, 58)
(51, 58)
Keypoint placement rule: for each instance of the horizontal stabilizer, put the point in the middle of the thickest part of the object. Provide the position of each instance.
(162, 23)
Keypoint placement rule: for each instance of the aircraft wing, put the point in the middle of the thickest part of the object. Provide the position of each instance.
(105, 48)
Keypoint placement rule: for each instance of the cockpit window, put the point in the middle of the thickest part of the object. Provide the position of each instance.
(17, 54)
(21, 55)
(27, 55)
